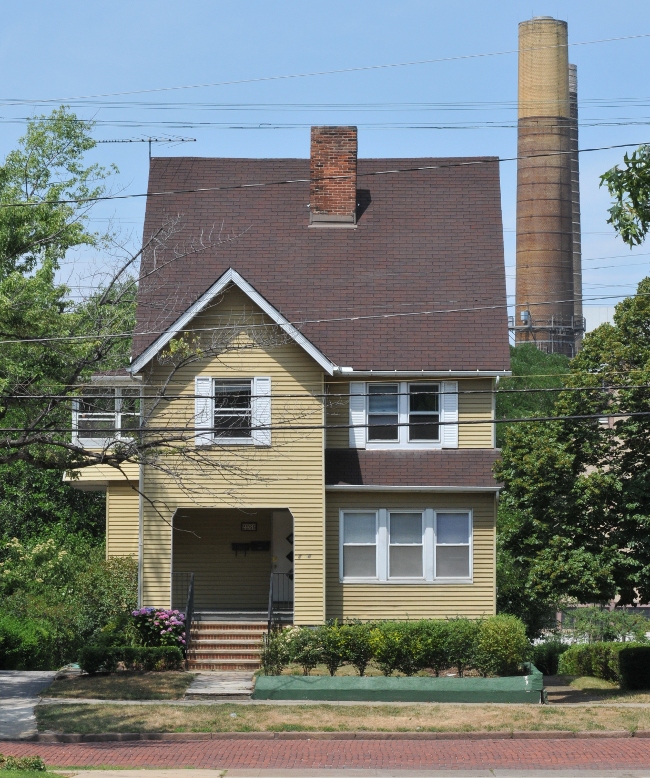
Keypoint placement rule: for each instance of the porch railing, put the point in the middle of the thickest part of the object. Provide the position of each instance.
(183, 600)
(280, 598)
(189, 614)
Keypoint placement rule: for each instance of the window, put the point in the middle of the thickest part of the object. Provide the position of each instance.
(359, 547)
(424, 412)
(103, 414)
(232, 409)
(404, 414)
(452, 538)
(403, 546)
(406, 545)
(383, 411)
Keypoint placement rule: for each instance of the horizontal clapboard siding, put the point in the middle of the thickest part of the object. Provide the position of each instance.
(471, 407)
(122, 520)
(97, 477)
(414, 601)
(289, 474)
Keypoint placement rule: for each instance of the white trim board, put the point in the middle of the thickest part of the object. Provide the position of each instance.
(349, 372)
(231, 277)
(374, 488)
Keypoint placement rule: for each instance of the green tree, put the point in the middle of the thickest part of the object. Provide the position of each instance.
(531, 369)
(630, 188)
(575, 513)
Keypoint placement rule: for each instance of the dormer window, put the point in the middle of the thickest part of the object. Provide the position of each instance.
(105, 414)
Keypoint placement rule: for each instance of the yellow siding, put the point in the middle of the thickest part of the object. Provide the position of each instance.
(471, 407)
(289, 474)
(98, 476)
(122, 519)
(414, 601)
(223, 579)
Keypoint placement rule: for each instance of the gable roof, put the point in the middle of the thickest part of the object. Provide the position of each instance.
(418, 285)
(230, 277)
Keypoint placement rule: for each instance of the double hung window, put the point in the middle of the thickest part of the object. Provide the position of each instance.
(405, 546)
(232, 411)
(105, 414)
(404, 414)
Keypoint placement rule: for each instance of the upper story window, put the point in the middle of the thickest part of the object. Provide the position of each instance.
(406, 546)
(105, 414)
(233, 411)
(404, 414)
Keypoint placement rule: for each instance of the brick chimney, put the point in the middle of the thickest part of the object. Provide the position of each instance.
(333, 177)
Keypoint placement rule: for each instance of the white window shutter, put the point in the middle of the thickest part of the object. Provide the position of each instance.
(203, 411)
(358, 414)
(261, 408)
(449, 397)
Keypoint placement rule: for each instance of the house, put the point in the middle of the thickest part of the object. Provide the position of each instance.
(351, 324)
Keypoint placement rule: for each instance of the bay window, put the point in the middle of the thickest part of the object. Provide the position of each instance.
(405, 546)
(102, 415)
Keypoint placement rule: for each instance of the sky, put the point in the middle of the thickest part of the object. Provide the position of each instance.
(120, 63)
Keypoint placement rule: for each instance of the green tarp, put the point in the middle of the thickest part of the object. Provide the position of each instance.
(517, 689)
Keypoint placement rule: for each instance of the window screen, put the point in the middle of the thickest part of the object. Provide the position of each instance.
(232, 409)
(360, 545)
(424, 412)
(453, 537)
(405, 545)
(383, 412)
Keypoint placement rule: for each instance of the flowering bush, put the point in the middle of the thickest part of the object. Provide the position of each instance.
(158, 627)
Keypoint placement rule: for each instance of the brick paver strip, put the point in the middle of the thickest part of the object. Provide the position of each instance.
(529, 754)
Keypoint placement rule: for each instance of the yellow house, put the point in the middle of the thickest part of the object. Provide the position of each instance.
(312, 381)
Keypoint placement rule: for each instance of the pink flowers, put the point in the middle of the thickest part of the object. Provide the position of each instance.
(160, 627)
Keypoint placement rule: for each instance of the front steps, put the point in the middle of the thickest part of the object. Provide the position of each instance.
(226, 645)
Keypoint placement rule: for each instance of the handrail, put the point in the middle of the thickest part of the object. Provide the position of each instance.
(280, 591)
(189, 615)
(270, 613)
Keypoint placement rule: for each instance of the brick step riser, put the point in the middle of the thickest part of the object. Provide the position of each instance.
(201, 657)
(221, 635)
(222, 667)
(210, 645)
(200, 625)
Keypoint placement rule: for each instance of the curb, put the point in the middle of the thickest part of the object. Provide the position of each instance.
(124, 737)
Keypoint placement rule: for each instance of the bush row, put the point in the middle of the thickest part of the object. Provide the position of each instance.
(494, 646)
(94, 659)
(546, 655)
(597, 660)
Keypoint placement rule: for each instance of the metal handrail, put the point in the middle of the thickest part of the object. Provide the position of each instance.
(279, 592)
(189, 615)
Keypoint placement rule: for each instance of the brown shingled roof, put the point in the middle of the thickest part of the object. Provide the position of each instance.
(449, 467)
(427, 241)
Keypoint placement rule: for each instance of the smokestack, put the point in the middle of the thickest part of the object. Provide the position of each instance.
(575, 207)
(544, 307)
(333, 177)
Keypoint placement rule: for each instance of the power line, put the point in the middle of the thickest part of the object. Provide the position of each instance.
(231, 187)
(330, 72)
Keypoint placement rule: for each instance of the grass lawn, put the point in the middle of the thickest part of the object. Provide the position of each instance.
(123, 686)
(88, 719)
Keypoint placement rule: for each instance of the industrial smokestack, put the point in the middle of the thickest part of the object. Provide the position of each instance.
(544, 307)
(575, 207)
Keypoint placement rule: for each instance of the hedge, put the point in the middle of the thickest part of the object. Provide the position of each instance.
(546, 656)
(596, 660)
(493, 646)
(94, 659)
(634, 666)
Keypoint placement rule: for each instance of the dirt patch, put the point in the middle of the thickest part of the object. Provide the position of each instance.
(123, 686)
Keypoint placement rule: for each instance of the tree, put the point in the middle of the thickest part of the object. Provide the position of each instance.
(575, 514)
(630, 188)
(531, 369)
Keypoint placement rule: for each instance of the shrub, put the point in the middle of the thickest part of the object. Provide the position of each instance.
(358, 645)
(28, 763)
(462, 636)
(596, 625)
(546, 656)
(634, 667)
(333, 646)
(94, 659)
(304, 648)
(275, 652)
(434, 645)
(501, 645)
(26, 644)
(160, 627)
(397, 645)
(597, 660)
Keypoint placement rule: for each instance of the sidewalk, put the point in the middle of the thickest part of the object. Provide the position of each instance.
(588, 755)
(18, 697)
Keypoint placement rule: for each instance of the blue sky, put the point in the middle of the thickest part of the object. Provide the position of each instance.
(52, 51)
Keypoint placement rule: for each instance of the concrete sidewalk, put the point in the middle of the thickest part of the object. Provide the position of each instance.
(19, 692)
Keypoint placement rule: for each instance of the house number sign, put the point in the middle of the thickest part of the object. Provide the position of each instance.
(249, 526)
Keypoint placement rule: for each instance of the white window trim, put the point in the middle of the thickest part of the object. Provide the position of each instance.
(261, 414)
(359, 429)
(429, 516)
(116, 391)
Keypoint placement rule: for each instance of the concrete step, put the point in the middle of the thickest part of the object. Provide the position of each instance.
(223, 664)
(218, 645)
